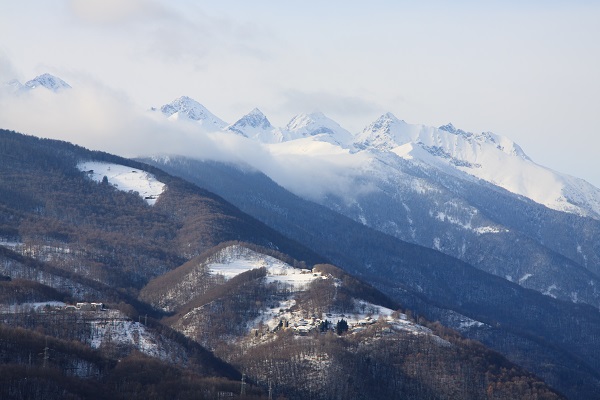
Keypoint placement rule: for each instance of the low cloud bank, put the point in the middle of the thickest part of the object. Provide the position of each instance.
(99, 118)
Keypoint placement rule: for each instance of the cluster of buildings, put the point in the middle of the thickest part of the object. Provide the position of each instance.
(85, 307)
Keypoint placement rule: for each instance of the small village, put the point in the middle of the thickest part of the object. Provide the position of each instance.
(55, 306)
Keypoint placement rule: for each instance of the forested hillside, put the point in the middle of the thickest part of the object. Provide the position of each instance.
(107, 293)
(554, 339)
(323, 334)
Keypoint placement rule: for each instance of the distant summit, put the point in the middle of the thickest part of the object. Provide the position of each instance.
(255, 119)
(303, 125)
(47, 81)
(187, 108)
(256, 126)
(385, 133)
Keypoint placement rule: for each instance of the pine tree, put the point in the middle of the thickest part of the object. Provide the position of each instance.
(341, 326)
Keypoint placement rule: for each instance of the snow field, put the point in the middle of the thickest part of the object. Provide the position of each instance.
(241, 260)
(125, 178)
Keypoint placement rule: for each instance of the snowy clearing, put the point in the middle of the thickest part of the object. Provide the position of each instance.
(125, 178)
(238, 260)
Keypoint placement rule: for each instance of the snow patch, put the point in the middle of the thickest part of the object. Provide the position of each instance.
(548, 292)
(125, 178)
(237, 260)
(574, 297)
(524, 278)
(488, 229)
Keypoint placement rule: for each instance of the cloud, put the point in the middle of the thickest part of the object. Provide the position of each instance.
(7, 70)
(353, 110)
(316, 178)
(99, 118)
(90, 115)
(331, 102)
(113, 11)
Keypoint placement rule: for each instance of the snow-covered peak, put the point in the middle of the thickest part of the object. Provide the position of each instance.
(317, 124)
(256, 126)
(386, 133)
(48, 81)
(185, 107)
(255, 119)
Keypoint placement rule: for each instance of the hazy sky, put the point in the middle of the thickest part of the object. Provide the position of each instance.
(529, 70)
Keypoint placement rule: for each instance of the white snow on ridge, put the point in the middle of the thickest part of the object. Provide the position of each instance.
(241, 260)
(487, 156)
(524, 278)
(125, 178)
(188, 109)
(314, 139)
(257, 127)
(48, 81)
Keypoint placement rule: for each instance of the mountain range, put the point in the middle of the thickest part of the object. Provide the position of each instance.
(425, 223)
(133, 283)
(471, 196)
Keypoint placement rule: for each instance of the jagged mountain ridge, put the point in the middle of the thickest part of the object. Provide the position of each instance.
(487, 156)
(47, 81)
(447, 148)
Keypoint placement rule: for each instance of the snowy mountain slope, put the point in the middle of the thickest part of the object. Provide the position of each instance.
(186, 108)
(198, 275)
(487, 156)
(125, 179)
(410, 181)
(422, 198)
(552, 252)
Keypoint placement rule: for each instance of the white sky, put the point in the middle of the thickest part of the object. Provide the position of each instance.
(529, 70)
